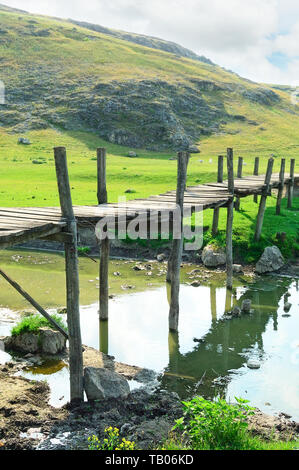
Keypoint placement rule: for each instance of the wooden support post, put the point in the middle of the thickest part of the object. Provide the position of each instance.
(217, 209)
(33, 302)
(281, 186)
(256, 172)
(104, 244)
(72, 278)
(239, 175)
(177, 245)
(291, 184)
(262, 206)
(230, 217)
(169, 264)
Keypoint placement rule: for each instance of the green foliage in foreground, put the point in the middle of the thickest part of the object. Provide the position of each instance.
(214, 425)
(205, 425)
(33, 323)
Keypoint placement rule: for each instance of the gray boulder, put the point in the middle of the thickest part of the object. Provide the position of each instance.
(24, 141)
(213, 257)
(271, 260)
(100, 384)
(246, 306)
(45, 341)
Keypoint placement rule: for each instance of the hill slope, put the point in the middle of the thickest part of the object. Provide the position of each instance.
(68, 77)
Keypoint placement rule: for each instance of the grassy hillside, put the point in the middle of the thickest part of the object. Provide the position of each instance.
(68, 85)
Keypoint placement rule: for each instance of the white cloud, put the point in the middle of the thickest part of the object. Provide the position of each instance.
(236, 34)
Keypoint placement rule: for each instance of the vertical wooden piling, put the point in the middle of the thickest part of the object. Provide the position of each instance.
(72, 278)
(170, 259)
(217, 209)
(239, 175)
(256, 172)
(230, 217)
(291, 184)
(104, 244)
(177, 245)
(262, 206)
(281, 186)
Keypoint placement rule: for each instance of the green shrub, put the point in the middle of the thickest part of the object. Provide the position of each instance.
(216, 425)
(33, 323)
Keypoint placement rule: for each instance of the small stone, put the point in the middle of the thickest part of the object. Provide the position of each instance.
(253, 364)
(195, 284)
(161, 257)
(236, 312)
(237, 268)
(246, 306)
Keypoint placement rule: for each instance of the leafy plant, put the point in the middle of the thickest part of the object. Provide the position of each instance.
(215, 425)
(112, 441)
(33, 323)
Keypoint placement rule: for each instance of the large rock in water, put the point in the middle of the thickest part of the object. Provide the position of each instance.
(271, 260)
(101, 384)
(213, 256)
(45, 341)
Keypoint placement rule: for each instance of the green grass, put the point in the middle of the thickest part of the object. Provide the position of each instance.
(32, 324)
(219, 425)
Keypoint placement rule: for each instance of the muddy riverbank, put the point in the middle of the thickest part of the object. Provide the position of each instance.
(27, 421)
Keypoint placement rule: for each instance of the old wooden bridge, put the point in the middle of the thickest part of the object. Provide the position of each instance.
(20, 225)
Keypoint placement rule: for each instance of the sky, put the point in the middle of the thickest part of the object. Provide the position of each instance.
(258, 39)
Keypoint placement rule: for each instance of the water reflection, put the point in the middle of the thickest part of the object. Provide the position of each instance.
(209, 354)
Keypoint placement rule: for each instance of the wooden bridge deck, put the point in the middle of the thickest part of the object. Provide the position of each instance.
(19, 225)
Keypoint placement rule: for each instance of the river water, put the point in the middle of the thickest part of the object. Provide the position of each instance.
(208, 356)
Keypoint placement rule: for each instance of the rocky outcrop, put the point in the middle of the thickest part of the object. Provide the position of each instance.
(213, 256)
(100, 384)
(270, 261)
(45, 341)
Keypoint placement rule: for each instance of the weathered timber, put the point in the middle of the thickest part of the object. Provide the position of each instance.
(262, 206)
(229, 222)
(217, 209)
(33, 302)
(104, 242)
(281, 186)
(177, 245)
(72, 278)
(239, 175)
(291, 183)
(256, 172)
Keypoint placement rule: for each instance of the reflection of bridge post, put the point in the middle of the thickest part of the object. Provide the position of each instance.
(213, 303)
(104, 336)
(228, 300)
(225, 344)
(173, 351)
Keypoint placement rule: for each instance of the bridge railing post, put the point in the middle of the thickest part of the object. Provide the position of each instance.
(72, 278)
(262, 206)
(230, 217)
(177, 244)
(291, 183)
(104, 243)
(217, 209)
(239, 175)
(281, 186)
(256, 172)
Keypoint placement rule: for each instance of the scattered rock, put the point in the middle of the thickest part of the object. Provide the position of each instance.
(271, 260)
(161, 257)
(246, 306)
(132, 154)
(237, 268)
(24, 141)
(213, 256)
(101, 384)
(195, 284)
(253, 364)
(236, 311)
